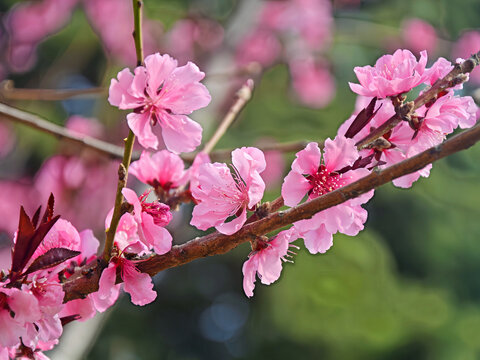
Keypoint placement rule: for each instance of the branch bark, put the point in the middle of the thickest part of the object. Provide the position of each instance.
(36, 122)
(213, 244)
(9, 92)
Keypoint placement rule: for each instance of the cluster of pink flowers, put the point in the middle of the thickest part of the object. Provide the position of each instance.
(296, 32)
(29, 23)
(49, 250)
(392, 76)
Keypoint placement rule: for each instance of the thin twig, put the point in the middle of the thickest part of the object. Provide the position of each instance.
(243, 96)
(78, 286)
(9, 92)
(114, 151)
(453, 78)
(129, 142)
(36, 122)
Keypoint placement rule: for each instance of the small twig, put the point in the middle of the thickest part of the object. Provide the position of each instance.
(36, 122)
(243, 96)
(129, 142)
(9, 92)
(114, 151)
(453, 78)
(216, 243)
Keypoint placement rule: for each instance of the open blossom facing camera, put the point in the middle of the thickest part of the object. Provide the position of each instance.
(391, 75)
(160, 92)
(310, 176)
(221, 195)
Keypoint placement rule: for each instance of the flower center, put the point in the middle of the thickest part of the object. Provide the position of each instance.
(323, 182)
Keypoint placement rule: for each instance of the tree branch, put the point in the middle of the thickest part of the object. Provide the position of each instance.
(36, 122)
(79, 286)
(129, 142)
(9, 92)
(244, 94)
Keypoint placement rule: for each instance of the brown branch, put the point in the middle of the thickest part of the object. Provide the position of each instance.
(114, 151)
(36, 122)
(454, 77)
(244, 94)
(9, 92)
(215, 243)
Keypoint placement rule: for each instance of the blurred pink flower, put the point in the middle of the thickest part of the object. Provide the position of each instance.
(29, 23)
(74, 180)
(190, 38)
(160, 92)
(116, 36)
(466, 45)
(220, 195)
(273, 174)
(312, 82)
(309, 21)
(261, 46)
(266, 260)
(419, 35)
(391, 75)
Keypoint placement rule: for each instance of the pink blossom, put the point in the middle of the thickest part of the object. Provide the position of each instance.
(310, 176)
(160, 92)
(151, 219)
(261, 46)
(466, 45)
(391, 75)
(220, 195)
(62, 235)
(312, 82)
(419, 35)
(266, 260)
(26, 309)
(162, 169)
(138, 285)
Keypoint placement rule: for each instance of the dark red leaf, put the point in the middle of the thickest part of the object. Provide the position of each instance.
(51, 258)
(29, 237)
(362, 119)
(49, 210)
(36, 217)
(25, 231)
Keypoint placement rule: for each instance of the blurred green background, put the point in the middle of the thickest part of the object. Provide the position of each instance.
(407, 287)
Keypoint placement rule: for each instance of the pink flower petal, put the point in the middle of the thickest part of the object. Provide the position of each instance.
(142, 128)
(294, 188)
(138, 285)
(229, 228)
(180, 133)
(107, 293)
